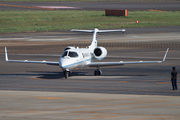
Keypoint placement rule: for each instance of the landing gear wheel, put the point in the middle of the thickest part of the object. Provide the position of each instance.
(66, 74)
(97, 72)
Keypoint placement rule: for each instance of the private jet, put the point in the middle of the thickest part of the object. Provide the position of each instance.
(73, 58)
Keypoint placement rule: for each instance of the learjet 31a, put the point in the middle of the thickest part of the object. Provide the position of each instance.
(73, 58)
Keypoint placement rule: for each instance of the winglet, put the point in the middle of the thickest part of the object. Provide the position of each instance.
(6, 56)
(165, 55)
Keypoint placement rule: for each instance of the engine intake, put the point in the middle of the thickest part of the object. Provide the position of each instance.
(100, 53)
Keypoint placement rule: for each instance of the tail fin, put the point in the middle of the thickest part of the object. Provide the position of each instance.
(95, 31)
(94, 39)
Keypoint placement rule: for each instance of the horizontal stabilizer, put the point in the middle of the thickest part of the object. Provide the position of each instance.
(117, 30)
(97, 30)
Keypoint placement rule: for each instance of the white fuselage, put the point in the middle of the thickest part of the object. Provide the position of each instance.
(75, 58)
(83, 55)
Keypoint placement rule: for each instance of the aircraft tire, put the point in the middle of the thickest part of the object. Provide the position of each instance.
(66, 74)
(97, 72)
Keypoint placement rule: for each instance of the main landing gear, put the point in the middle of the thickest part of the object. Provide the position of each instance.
(98, 72)
(66, 73)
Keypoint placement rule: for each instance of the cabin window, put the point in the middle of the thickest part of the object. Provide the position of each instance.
(85, 55)
(73, 54)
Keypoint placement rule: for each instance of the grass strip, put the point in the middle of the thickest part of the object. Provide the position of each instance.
(37, 21)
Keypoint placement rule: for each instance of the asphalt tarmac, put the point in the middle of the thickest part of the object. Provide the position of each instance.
(142, 79)
(139, 91)
(165, 6)
(31, 91)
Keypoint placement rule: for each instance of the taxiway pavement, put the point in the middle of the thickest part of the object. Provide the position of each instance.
(135, 5)
(129, 92)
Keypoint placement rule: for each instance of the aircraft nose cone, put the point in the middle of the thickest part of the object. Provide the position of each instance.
(64, 63)
(61, 63)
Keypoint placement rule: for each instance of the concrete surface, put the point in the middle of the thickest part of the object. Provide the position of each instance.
(28, 105)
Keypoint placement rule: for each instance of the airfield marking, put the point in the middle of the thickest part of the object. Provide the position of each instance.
(56, 7)
(25, 7)
(40, 7)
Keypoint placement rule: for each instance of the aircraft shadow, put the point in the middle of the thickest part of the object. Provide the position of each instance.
(60, 75)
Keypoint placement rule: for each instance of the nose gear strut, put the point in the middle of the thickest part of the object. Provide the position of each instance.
(66, 73)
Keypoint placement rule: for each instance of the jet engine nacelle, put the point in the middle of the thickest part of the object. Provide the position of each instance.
(69, 47)
(100, 53)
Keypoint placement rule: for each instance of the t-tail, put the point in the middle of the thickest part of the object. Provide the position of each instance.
(94, 39)
(95, 35)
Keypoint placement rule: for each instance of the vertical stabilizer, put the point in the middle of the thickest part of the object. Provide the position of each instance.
(94, 39)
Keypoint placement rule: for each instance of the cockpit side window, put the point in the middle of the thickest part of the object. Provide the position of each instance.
(73, 54)
(65, 54)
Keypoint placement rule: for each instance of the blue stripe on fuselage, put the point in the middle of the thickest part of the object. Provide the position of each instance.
(77, 63)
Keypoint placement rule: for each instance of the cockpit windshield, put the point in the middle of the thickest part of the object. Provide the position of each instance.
(73, 54)
(70, 54)
(65, 54)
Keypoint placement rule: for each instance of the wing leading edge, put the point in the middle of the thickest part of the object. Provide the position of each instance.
(27, 61)
(96, 64)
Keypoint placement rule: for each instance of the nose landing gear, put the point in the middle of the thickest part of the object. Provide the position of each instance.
(66, 73)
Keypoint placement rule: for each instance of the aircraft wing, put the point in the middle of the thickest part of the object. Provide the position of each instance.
(99, 64)
(27, 61)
